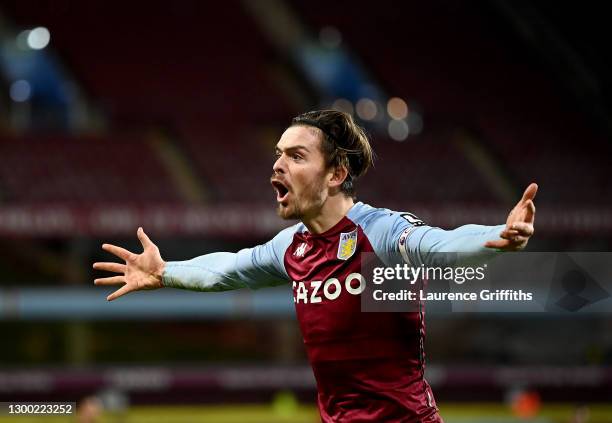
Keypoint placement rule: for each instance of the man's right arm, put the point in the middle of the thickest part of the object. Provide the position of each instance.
(254, 268)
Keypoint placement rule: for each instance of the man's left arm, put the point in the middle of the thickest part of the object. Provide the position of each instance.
(472, 243)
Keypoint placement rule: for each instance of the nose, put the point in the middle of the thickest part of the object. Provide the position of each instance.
(279, 164)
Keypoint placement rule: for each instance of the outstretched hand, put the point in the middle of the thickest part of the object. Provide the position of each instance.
(519, 225)
(140, 271)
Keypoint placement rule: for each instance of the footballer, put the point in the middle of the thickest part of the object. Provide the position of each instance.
(369, 367)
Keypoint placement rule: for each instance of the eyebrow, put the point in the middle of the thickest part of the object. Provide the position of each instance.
(293, 148)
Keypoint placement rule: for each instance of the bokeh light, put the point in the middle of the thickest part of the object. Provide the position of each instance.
(366, 109)
(20, 91)
(39, 38)
(398, 130)
(343, 105)
(397, 108)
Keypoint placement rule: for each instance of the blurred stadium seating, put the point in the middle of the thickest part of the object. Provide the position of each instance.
(64, 169)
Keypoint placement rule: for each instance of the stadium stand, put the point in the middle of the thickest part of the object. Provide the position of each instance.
(217, 121)
(60, 169)
(140, 88)
(458, 75)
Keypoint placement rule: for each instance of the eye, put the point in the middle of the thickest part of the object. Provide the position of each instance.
(296, 156)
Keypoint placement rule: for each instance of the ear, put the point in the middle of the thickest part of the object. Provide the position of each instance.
(338, 176)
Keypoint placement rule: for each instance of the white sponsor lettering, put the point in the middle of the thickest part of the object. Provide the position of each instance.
(314, 298)
(337, 288)
(332, 288)
(302, 293)
(351, 278)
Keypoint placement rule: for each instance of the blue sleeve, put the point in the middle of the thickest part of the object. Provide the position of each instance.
(401, 236)
(253, 268)
(463, 245)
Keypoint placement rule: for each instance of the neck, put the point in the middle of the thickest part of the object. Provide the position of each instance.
(332, 211)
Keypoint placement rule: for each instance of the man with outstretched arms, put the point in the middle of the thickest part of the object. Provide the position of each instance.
(368, 366)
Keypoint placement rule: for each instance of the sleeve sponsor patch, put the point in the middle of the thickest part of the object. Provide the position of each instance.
(412, 219)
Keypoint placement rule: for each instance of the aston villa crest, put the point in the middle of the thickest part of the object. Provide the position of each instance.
(348, 244)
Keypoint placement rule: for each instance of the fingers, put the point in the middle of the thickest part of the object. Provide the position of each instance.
(523, 228)
(518, 239)
(508, 233)
(499, 244)
(514, 238)
(120, 292)
(110, 267)
(530, 192)
(530, 213)
(144, 239)
(112, 280)
(118, 251)
(518, 243)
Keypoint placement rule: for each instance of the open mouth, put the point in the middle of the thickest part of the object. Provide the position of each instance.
(281, 190)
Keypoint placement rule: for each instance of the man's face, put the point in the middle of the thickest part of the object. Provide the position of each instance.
(300, 174)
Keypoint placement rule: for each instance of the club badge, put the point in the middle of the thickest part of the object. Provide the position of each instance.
(348, 244)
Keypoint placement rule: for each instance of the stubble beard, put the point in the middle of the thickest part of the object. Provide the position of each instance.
(289, 212)
(307, 204)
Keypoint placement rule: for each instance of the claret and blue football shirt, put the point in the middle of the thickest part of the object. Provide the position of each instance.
(368, 366)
